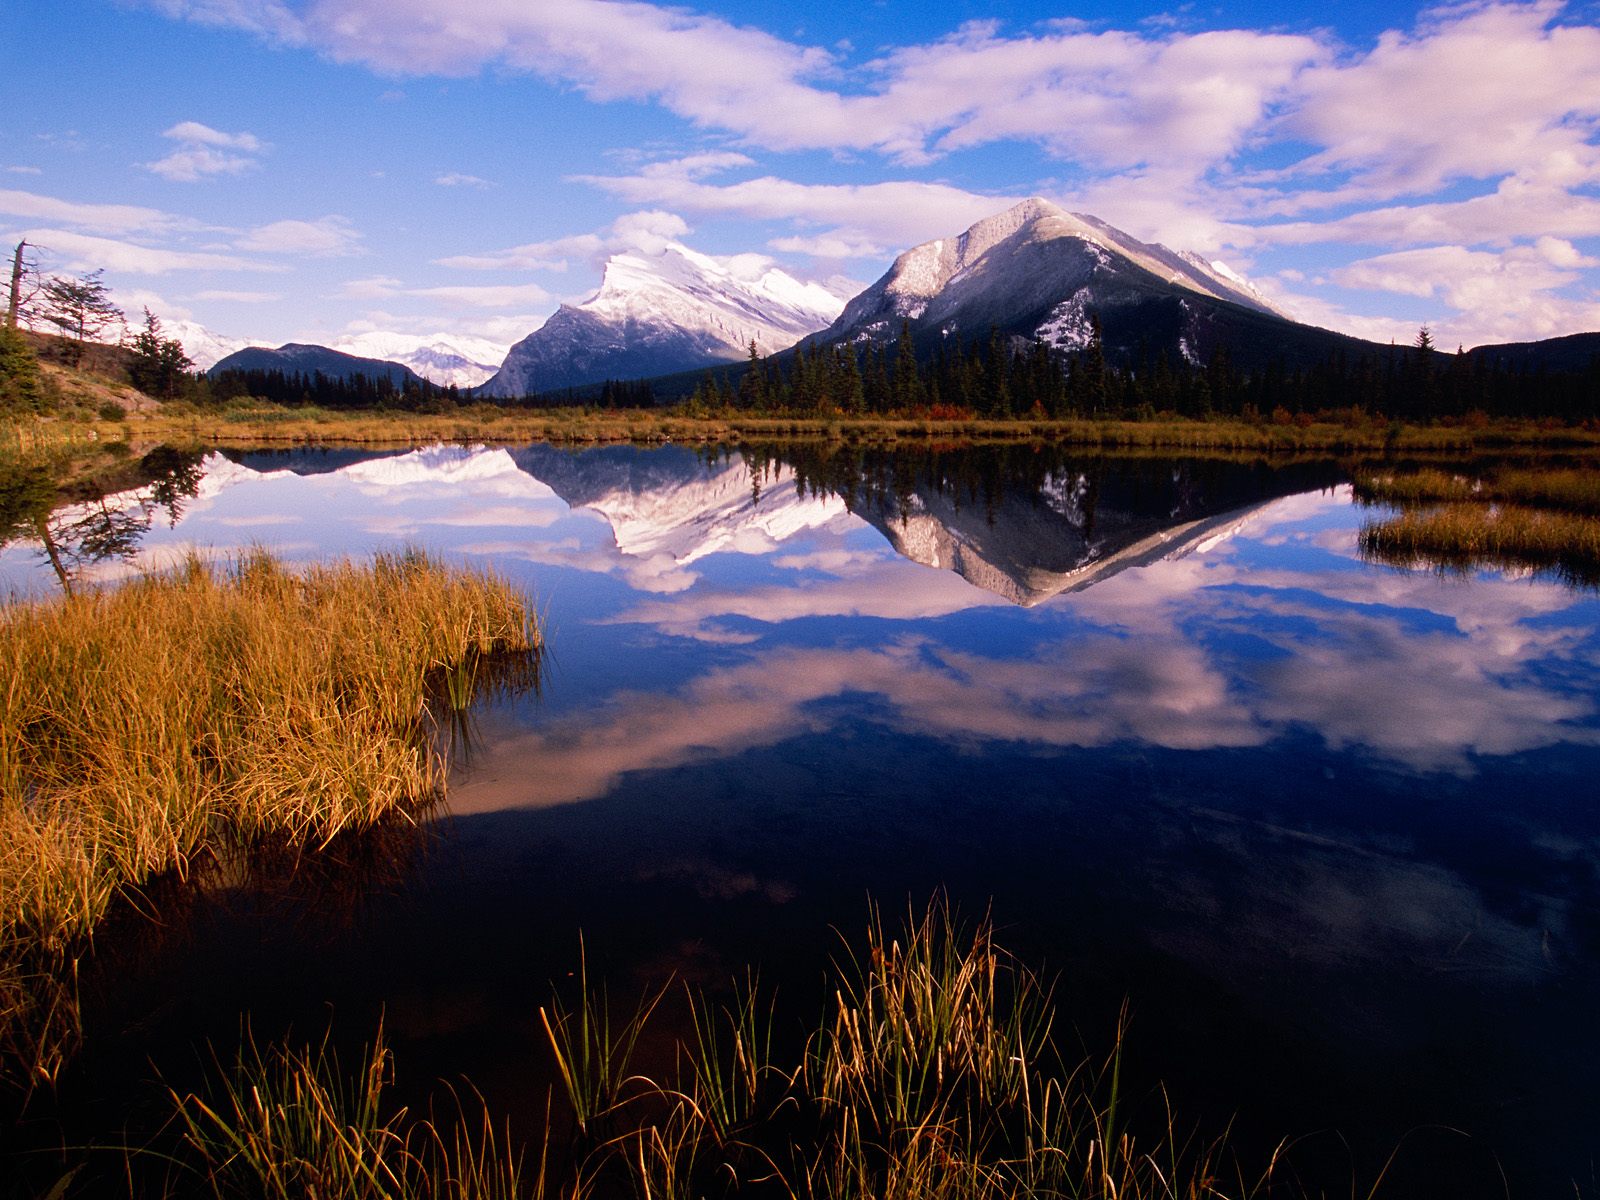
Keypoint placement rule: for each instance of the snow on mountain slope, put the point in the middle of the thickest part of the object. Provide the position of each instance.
(1038, 272)
(442, 358)
(205, 347)
(672, 309)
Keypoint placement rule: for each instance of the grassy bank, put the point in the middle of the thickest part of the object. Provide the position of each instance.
(1464, 536)
(265, 424)
(146, 728)
(933, 1072)
(1516, 518)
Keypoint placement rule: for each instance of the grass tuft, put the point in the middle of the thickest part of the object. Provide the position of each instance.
(147, 729)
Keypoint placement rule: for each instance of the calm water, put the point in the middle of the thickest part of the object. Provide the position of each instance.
(1329, 827)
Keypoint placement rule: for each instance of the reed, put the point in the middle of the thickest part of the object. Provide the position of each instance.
(289, 1122)
(1463, 536)
(933, 1073)
(173, 721)
(142, 725)
(1566, 489)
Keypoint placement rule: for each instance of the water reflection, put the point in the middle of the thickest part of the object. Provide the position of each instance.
(109, 520)
(1327, 822)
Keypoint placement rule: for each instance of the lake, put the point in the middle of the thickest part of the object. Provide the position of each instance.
(1328, 827)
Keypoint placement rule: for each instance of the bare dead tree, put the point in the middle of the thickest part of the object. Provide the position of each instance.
(26, 283)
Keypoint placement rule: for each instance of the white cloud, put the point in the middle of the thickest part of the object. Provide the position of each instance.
(95, 218)
(456, 179)
(1497, 296)
(326, 237)
(896, 213)
(83, 252)
(193, 131)
(1477, 91)
(24, 171)
(237, 297)
(204, 152)
(383, 287)
(649, 231)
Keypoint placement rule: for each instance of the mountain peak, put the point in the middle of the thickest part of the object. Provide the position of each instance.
(1037, 271)
(662, 310)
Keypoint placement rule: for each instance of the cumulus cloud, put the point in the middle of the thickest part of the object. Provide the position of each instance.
(1221, 140)
(649, 231)
(326, 237)
(1497, 295)
(204, 152)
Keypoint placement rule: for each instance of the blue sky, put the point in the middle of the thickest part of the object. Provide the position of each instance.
(307, 169)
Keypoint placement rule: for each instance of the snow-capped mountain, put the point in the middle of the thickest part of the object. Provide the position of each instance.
(205, 347)
(671, 310)
(442, 358)
(1038, 271)
(669, 502)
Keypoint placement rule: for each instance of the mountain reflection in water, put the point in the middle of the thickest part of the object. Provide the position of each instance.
(1326, 824)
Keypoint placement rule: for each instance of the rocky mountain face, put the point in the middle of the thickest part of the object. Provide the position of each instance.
(663, 312)
(298, 357)
(1037, 271)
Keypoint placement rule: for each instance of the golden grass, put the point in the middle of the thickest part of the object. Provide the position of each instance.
(268, 424)
(1567, 489)
(1464, 536)
(933, 1075)
(140, 725)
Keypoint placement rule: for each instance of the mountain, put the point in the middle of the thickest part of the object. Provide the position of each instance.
(205, 347)
(670, 503)
(660, 312)
(442, 358)
(1038, 271)
(299, 358)
(1575, 352)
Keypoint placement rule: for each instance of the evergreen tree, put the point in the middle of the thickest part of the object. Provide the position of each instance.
(81, 308)
(160, 366)
(21, 390)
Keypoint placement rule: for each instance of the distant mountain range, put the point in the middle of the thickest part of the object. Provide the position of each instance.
(663, 312)
(1033, 272)
(443, 358)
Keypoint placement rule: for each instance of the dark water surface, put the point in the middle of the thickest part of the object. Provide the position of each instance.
(1330, 828)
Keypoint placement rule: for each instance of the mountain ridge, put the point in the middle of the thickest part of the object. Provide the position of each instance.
(661, 311)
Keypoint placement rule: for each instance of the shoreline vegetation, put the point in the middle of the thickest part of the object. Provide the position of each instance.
(1509, 518)
(157, 728)
(935, 1070)
(278, 425)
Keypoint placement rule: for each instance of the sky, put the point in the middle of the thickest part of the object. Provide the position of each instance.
(305, 170)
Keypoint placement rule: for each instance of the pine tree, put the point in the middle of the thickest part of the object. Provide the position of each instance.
(159, 365)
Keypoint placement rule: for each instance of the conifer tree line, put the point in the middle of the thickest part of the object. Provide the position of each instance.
(333, 391)
(1002, 376)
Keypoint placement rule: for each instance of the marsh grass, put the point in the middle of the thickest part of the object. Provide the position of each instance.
(1538, 520)
(1566, 489)
(933, 1072)
(1463, 536)
(269, 424)
(290, 1122)
(158, 727)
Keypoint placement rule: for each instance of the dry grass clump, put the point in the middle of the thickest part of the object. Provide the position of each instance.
(933, 1073)
(1463, 536)
(143, 726)
(1523, 519)
(1564, 489)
